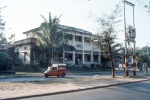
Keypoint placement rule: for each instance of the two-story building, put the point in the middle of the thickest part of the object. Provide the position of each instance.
(86, 52)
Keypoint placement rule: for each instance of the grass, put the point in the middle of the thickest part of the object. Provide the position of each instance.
(23, 74)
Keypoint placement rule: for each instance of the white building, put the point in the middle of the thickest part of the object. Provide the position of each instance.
(86, 52)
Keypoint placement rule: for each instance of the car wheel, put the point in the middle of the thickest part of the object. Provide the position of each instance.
(57, 75)
(63, 75)
(46, 76)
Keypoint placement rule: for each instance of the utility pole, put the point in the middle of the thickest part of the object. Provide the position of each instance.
(129, 37)
(147, 52)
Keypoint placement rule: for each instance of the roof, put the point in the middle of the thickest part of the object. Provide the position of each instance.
(76, 29)
(32, 30)
(61, 27)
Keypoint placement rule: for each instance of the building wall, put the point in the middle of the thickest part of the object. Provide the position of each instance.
(87, 52)
(24, 53)
(85, 48)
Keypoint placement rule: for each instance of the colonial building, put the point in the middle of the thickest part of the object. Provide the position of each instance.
(86, 52)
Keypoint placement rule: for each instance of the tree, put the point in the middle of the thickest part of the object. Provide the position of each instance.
(5, 62)
(6, 45)
(107, 34)
(144, 3)
(2, 27)
(142, 54)
(52, 37)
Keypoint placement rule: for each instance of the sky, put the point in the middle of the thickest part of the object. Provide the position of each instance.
(24, 15)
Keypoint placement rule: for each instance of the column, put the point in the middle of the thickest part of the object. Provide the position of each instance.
(126, 58)
(99, 56)
(74, 58)
(63, 56)
(74, 51)
(133, 61)
(92, 56)
(83, 49)
(126, 65)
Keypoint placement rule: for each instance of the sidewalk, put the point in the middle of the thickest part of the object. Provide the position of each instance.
(62, 85)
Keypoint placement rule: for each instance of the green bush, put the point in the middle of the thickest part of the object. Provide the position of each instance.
(5, 61)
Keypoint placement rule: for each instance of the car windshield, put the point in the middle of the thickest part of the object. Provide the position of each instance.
(49, 68)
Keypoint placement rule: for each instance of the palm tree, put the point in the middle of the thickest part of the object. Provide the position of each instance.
(116, 52)
(53, 37)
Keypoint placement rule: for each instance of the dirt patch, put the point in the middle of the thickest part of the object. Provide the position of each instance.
(12, 89)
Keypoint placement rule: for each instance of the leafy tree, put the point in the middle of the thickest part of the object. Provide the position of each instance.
(107, 35)
(2, 27)
(5, 61)
(52, 37)
(7, 45)
(144, 3)
(117, 53)
(142, 54)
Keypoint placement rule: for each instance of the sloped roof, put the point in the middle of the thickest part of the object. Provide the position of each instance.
(62, 27)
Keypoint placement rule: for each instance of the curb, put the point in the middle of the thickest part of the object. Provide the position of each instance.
(70, 91)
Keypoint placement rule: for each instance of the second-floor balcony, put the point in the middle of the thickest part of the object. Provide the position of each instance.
(25, 41)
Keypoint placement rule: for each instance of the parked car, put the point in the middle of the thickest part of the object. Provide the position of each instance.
(56, 70)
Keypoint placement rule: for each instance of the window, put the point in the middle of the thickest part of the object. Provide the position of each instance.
(69, 37)
(60, 56)
(54, 68)
(68, 57)
(78, 38)
(95, 58)
(87, 57)
(87, 39)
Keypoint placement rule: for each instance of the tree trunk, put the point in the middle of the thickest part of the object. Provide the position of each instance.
(52, 56)
(111, 59)
(63, 56)
(50, 61)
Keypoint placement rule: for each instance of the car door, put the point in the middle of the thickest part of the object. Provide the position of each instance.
(54, 71)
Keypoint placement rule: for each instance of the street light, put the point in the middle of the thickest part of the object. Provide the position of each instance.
(128, 40)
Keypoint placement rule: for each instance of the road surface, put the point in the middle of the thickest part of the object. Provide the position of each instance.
(133, 91)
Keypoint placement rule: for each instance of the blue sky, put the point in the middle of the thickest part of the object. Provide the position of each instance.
(23, 15)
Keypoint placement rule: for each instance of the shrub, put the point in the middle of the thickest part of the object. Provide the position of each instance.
(5, 61)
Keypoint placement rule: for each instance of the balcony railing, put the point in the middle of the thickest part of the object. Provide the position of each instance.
(25, 41)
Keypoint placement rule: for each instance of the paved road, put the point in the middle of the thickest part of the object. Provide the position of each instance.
(117, 73)
(134, 91)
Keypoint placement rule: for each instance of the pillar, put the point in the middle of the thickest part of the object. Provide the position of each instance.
(83, 49)
(126, 65)
(92, 56)
(134, 61)
(74, 58)
(74, 51)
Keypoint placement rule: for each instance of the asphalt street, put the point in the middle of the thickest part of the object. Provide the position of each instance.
(132, 91)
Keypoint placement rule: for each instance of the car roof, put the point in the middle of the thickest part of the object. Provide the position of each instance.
(56, 65)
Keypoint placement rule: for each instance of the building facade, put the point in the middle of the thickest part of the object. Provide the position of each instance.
(86, 52)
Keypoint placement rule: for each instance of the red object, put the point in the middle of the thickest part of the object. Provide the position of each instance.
(55, 71)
